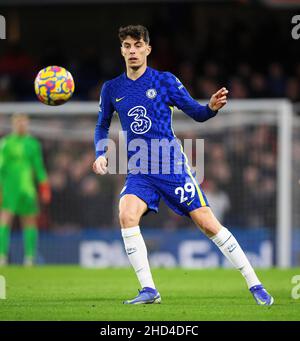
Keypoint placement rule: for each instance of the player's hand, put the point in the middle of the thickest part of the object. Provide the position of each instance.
(100, 165)
(218, 100)
(45, 192)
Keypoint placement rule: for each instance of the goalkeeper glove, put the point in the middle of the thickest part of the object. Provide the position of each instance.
(45, 192)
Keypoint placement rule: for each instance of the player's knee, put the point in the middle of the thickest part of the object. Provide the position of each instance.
(128, 218)
(207, 222)
(202, 216)
(205, 210)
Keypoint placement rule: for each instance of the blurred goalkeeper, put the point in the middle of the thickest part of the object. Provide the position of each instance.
(21, 165)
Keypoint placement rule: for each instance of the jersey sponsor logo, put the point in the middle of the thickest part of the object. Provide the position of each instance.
(151, 93)
(142, 122)
(120, 99)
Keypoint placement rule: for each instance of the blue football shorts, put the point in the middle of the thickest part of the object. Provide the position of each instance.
(181, 192)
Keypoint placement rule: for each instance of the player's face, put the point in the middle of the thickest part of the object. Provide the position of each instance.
(20, 125)
(135, 52)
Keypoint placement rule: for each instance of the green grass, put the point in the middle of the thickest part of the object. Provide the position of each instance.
(72, 293)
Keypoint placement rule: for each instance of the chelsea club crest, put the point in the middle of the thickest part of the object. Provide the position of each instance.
(151, 93)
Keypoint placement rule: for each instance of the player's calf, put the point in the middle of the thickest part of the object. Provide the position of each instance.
(229, 246)
(206, 221)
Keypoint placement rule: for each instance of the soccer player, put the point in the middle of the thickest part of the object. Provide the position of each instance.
(21, 164)
(144, 99)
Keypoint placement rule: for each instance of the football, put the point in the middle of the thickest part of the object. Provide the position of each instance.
(54, 85)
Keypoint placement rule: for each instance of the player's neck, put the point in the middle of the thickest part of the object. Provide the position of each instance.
(134, 74)
(19, 133)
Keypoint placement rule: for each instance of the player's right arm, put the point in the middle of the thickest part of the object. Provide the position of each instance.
(106, 111)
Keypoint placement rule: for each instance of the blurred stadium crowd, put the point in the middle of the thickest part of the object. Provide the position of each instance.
(17, 70)
(248, 49)
(239, 183)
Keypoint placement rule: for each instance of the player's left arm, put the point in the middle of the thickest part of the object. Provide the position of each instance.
(2, 141)
(1, 160)
(41, 173)
(185, 102)
(1, 168)
(218, 99)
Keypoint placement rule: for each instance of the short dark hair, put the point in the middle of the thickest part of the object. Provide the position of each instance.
(134, 31)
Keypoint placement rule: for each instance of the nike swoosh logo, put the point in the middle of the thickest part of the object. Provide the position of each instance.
(130, 253)
(260, 301)
(232, 249)
(120, 99)
(188, 203)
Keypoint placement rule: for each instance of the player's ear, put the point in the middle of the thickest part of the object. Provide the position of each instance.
(149, 49)
(121, 51)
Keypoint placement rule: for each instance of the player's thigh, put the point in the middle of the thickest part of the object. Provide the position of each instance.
(181, 193)
(28, 204)
(204, 218)
(131, 208)
(10, 199)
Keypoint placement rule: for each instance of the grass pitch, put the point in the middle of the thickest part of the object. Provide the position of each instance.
(69, 293)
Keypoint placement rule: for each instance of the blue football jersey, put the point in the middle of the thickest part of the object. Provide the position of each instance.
(145, 108)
